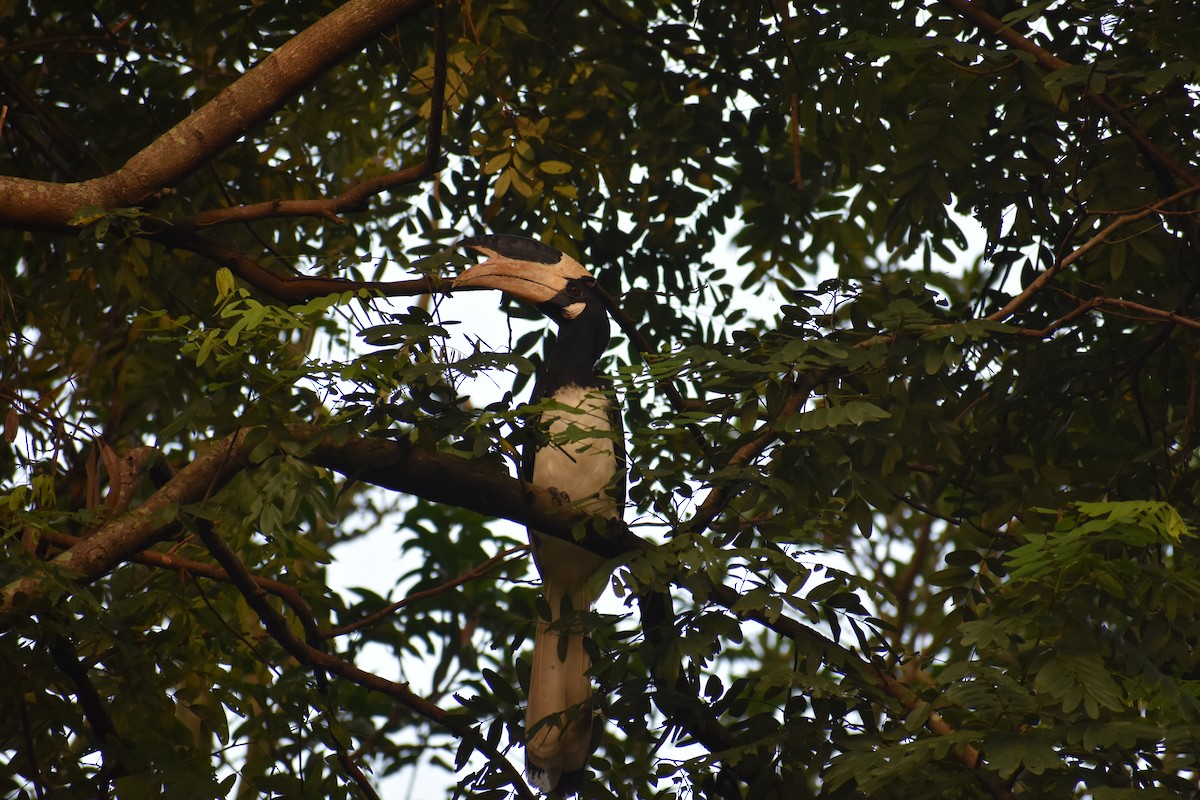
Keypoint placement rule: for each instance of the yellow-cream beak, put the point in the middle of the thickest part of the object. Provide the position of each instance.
(532, 281)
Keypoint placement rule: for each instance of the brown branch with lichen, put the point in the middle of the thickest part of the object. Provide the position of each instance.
(244, 104)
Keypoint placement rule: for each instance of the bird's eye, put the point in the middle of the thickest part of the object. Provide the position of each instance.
(574, 289)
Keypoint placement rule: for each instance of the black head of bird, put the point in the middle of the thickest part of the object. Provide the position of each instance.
(558, 286)
(585, 466)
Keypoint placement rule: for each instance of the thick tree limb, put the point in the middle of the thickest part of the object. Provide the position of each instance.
(435, 476)
(137, 530)
(393, 465)
(245, 103)
(468, 484)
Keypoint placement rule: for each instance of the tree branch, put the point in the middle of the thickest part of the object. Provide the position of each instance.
(1039, 283)
(326, 207)
(137, 530)
(62, 652)
(470, 484)
(977, 14)
(277, 626)
(356, 196)
(152, 558)
(477, 571)
(393, 465)
(39, 787)
(968, 756)
(242, 105)
(290, 289)
(1156, 314)
(719, 496)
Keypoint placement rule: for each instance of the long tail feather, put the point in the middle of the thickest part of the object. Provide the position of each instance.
(558, 719)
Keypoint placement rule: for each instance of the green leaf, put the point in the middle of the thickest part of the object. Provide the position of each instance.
(1032, 751)
(554, 167)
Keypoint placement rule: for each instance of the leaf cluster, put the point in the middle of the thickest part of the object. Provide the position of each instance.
(909, 380)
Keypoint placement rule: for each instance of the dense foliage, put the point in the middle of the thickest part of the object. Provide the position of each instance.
(928, 519)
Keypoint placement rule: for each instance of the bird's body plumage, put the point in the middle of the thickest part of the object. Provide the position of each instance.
(558, 717)
(582, 461)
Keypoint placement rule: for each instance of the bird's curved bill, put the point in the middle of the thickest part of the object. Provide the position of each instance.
(533, 283)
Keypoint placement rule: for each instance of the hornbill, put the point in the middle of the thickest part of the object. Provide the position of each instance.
(585, 468)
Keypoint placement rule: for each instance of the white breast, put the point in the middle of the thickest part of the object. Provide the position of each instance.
(579, 465)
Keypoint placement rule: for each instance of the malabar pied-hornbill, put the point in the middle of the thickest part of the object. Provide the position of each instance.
(586, 468)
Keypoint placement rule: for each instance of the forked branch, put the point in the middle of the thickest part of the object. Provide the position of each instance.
(245, 103)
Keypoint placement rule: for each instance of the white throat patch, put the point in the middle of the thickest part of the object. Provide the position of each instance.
(572, 311)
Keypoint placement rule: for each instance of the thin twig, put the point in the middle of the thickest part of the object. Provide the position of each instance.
(277, 626)
(1156, 313)
(153, 558)
(475, 572)
(1037, 284)
(719, 496)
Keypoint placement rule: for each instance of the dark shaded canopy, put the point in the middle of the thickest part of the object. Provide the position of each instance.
(928, 524)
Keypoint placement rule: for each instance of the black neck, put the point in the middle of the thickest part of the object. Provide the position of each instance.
(571, 358)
